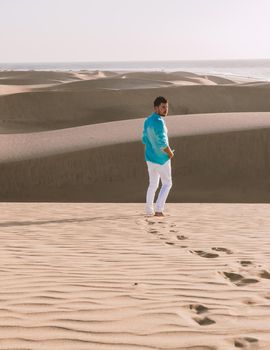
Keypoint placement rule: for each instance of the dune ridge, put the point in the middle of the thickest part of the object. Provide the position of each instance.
(222, 159)
(47, 110)
(70, 99)
(36, 144)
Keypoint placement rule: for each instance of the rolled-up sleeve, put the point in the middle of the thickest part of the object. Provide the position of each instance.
(161, 134)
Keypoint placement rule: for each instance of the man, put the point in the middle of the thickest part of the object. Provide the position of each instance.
(158, 156)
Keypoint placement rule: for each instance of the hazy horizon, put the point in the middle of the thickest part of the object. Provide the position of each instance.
(119, 61)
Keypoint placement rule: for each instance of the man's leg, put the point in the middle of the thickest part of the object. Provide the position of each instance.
(166, 179)
(153, 185)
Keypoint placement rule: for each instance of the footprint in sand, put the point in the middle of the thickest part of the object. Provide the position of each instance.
(245, 263)
(266, 296)
(244, 342)
(201, 310)
(150, 222)
(204, 254)
(181, 237)
(264, 274)
(238, 279)
(153, 231)
(245, 281)
(161, 234)
(205, 321)
(221, 249)
(249, 301)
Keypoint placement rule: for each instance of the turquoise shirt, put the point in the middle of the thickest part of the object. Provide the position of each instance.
(155, 139)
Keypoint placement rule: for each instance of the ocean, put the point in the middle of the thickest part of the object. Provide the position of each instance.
(258, 69)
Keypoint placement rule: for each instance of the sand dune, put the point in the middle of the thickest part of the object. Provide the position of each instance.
(101, 276)
(218, 159)
(15, 82)
(47, 110)
(179, 76)
(39, 144)
(114, 83)
(15, 89)
(219, 80)
(90, 140)
(49, 77)
(166, 76)
(34, 77)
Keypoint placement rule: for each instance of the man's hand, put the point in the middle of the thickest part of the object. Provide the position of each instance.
(169, 151)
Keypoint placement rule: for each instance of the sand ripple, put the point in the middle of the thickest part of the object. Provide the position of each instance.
(103, 276)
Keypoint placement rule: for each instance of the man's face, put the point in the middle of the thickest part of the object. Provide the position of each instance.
(162, 109)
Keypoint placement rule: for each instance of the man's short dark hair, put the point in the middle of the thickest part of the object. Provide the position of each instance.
(159, 100)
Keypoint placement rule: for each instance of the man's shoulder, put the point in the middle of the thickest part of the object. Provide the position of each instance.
(150, 116)
(154, 120)
(158, 121)
(148, 119)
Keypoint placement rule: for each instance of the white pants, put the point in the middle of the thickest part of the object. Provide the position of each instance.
(156, 172)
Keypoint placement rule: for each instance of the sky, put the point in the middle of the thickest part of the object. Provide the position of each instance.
(133, 30)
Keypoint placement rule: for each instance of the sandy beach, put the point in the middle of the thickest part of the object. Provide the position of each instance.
(103, 276)
(81, 266)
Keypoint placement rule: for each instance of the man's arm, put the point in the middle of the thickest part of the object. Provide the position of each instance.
(169, 151)
(144, 134)
(162, 139)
